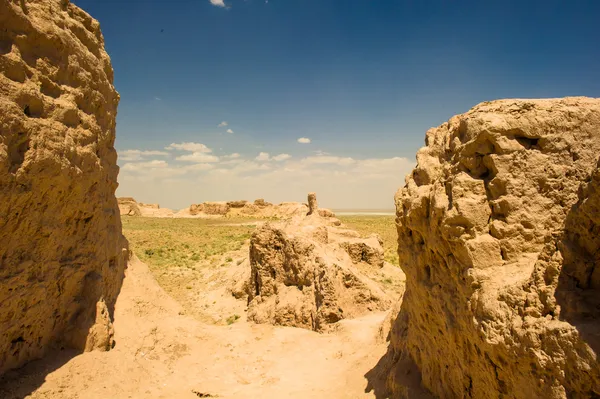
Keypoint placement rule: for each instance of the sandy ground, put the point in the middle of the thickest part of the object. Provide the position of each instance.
(163, 352)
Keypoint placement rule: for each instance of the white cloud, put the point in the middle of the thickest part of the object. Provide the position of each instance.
(198, 157)
(304, 140)
(249, 166)
(232, 162)
(281, 157)
(240, 168)
(380, 163)
(138, 155)
(222, 124)
(145, 165)
(263, 156)
(329, 159)
(340, 181)
(198, 167)
(229, 131)
(157, 98)
(160, 172)
(218, 3)
(188, 146)
(151, 167)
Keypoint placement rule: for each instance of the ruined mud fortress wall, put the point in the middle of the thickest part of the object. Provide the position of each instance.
(305, 272)
(499, 237)
(62, 254)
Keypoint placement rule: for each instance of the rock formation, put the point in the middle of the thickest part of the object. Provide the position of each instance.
(326, 213)
(304, 273)
(368, 250)
(237, 204)
(128, 207)
(499, 237)
(260, 202)
(62, 255)
(210, 208)
(150, 206)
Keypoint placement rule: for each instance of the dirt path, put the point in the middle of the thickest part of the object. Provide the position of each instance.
(163, 353)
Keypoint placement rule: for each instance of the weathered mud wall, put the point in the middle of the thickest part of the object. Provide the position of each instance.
(308, 273)
(62, 254)
(499, 237)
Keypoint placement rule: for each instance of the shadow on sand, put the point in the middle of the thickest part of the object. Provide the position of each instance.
(23, 381)
(396, 369)
(19, 383)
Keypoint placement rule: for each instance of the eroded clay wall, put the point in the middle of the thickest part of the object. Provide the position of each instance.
(62, 254)
(499, 239)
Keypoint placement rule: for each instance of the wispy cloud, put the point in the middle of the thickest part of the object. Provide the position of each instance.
(198, 157)
(304, 140)
(222, 124)
(232, 161)
(138, 155)
(159, 170)
(218, 3)
(328, 159)
(188, 146)
(281, 157)
(240, 168)
(199, 167)
(263, 156)
(145, 165)
(229, 131)
(341, 181)
(157, 98)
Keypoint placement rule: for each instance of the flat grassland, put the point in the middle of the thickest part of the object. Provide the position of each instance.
(185, 242)
(160, 242)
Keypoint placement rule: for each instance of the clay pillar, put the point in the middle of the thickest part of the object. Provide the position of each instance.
(312, 203)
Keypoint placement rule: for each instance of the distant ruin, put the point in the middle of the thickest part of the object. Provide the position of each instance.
(216, 209)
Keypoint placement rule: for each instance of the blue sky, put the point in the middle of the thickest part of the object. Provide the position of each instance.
(362, 79)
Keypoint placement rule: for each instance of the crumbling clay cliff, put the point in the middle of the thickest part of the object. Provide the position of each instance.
(62, 254)
(308, 273)
(499, 237)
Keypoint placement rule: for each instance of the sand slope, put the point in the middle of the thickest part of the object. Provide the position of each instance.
(163, 353)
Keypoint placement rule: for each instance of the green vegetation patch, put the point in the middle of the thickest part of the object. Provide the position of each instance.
(161, 242)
